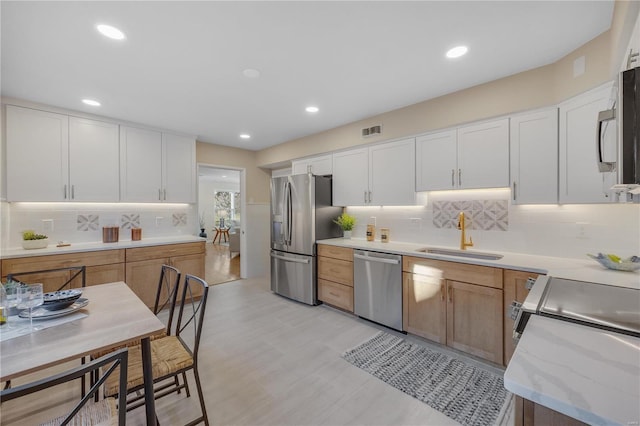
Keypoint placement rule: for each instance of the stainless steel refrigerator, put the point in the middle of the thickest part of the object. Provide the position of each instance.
(301, 213)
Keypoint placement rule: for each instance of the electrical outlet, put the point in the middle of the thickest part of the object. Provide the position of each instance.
(582, 230)
(415, 222)
(47, 225)
(159, 220)
(372, 220)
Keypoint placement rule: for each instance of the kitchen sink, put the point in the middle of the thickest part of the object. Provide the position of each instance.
(461, 253)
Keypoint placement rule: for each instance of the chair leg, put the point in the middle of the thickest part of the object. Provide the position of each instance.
(205, 418)
(186, 384)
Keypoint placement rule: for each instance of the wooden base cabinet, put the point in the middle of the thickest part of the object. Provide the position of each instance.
(144, 264)
(528, 413)
(456, 304)
(335, 276)
(514, 289)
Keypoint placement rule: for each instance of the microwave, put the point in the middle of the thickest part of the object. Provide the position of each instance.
(630, 124)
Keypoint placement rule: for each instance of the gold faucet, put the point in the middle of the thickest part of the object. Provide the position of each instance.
(463, 243)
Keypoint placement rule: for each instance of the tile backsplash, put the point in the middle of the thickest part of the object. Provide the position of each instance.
(496, 224)
(83, 222)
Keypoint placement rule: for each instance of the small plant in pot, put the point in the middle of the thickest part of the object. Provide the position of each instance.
(31, 240)
(346, 222)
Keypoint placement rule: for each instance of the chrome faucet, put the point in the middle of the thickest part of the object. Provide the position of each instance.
(463, 243)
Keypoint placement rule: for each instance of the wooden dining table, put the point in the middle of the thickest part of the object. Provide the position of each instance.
(116, 316)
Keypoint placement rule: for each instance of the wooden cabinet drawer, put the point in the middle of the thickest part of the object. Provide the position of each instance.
(338, 295)
(170, 250)
(54, 261)
(481, 275)
(342, 253)
(336, 270)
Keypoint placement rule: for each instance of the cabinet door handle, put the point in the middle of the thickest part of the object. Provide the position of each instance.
(365, 197)
(442, 292)
(164, 193)
(459, 177)
(450, 293)
(159, 194)
(453, 177)
(369, 197)
(65, 191)
(514, 190)
(73, 192)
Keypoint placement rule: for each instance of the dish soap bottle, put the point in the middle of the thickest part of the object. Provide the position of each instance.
(371, 232)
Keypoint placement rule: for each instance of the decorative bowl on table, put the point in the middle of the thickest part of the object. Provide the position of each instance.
(611, 261)
(57, 300)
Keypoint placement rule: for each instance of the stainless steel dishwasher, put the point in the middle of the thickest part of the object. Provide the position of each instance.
(377, 287)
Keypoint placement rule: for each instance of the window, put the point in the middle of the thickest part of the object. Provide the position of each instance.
(226, 208)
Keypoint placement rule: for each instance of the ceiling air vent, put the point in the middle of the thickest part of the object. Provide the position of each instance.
(370, 131)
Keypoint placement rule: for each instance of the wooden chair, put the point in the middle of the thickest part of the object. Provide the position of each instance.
(173, 355)
(85, 412)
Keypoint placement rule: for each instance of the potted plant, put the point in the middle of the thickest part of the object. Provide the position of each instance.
(346, 222)
(31, 240)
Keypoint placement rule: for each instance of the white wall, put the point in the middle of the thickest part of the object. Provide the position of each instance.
(256, 239)
(555, 230)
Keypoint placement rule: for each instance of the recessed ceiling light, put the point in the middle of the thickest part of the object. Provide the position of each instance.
(457, 51)
(111, 32)
(90, 102)
(224, 176)
(251, 73)
(312, 109)
(245, 136)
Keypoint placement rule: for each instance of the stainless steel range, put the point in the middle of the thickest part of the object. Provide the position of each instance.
(596, 305)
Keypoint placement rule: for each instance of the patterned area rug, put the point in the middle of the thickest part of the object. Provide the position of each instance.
(461, 391)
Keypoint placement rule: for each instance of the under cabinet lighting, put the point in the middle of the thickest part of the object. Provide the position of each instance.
(111, 32)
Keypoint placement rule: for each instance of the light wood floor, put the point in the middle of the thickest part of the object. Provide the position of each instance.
(266, 360)
(219, 267)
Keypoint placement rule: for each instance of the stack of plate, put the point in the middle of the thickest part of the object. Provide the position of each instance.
(57, 300)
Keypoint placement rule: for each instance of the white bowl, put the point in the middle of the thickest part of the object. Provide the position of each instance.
(35, 244)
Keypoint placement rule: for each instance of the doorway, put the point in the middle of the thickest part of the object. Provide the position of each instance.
(220, 212)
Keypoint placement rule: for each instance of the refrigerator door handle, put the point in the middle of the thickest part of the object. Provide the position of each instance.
(289, 214)
(289, 259)
(376, 259)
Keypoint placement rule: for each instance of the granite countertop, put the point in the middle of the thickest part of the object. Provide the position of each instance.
(576, 269)
(96, 246)
(589, 374)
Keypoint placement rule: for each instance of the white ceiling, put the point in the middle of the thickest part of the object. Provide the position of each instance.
(181, 65)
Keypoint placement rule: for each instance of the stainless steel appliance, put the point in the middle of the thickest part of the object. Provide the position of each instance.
(377, 287)
(301, 213)
(596, 305)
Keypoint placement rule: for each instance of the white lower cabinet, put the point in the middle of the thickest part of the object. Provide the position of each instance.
(54, 157)
(380, 175)
(580, 179)
(156, 167)
(534, 157)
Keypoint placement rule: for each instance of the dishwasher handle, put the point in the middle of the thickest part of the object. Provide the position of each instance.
(377, 259)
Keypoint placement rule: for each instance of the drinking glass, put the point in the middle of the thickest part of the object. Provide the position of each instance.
(30, 296)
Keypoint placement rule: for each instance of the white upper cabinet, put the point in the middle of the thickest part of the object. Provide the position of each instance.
(580, 179)
(156, 167)
(320, 165)
(436, 161)
(474, 156)
(53, 157)
(179, 169)
(483, 155)
(534, 157)
(392, 173)
(94, 170)
(351, 177)
(140, 165)
(380, 175)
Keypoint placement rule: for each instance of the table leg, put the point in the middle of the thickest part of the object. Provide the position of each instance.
(147, 373)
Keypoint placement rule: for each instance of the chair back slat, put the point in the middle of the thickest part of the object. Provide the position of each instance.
(192, 309)
(167, 292)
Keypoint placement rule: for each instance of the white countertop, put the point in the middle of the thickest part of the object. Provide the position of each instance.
(96, 246)
(576, 269)
(588, 374)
